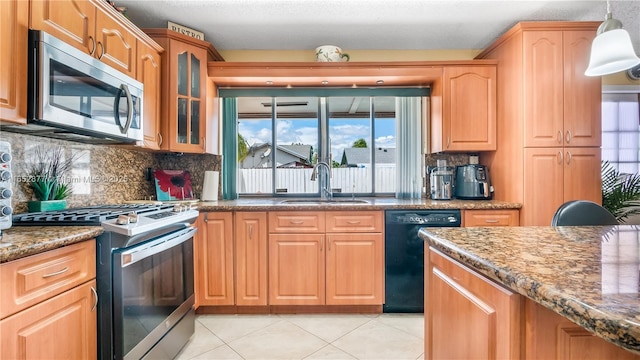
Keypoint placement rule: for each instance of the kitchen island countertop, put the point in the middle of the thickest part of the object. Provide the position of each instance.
(589, 275)
(22, 241)
(268, 204)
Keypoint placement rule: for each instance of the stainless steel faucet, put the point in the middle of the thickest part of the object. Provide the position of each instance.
(325, 193)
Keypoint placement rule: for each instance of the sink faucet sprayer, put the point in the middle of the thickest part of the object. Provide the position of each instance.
(325, 193)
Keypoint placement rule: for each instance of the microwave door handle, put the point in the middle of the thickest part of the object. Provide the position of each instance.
(123, 129)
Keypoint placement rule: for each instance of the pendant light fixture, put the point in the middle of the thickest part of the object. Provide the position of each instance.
(611, 50)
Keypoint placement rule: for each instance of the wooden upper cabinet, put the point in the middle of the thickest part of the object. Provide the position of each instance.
(149, 74)
(468, 109)
(115, 45)
(582, 94)
(72, 21)
(184, 91)
(14, 19)
(562, 105)
(89, 28)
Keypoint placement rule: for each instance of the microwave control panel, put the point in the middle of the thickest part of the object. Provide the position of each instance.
(5, 185)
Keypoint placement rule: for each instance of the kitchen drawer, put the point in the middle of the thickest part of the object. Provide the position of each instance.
(296, 222)
(509, 217)
(28, 281)
(354, 221)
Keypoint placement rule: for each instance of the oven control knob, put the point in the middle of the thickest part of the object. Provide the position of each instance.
(122, 220)
(5, 175)
(5, 157)
(133, 217)
(179, 208)
(5, 193)
(6, 211)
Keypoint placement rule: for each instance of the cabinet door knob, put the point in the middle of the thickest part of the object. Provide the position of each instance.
(101, 50)
(568, 137)
(448, 141)
(93, 45)
(568, 158)
(559, 137)
(250, 231)
(159, 139)
(95, 296)
(559, 157)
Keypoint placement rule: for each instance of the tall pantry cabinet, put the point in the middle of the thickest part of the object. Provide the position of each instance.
(549, 130)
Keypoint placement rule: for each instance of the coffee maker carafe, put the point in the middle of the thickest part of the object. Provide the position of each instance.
(441, 178)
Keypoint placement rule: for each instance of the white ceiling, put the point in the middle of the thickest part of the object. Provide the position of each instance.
(366, 24)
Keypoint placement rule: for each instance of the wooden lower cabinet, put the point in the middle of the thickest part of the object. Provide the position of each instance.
(506, 217)
(466, 315)
(556, 175)
(214, 261)
(251, 258)
(354, 267)
(548, 335)
(338, 261)
(296, 269)
(49, 305)
(63, 327)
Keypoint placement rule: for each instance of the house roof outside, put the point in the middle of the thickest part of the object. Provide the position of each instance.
(360, 156)
(299, 150)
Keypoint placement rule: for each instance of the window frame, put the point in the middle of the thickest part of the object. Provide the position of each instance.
(323, 124)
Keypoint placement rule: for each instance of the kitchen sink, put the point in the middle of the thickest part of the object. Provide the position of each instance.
(325, 202)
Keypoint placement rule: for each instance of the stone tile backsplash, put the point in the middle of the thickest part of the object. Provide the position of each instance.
(104, 174)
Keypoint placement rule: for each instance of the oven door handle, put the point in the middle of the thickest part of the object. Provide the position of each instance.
(153, 247)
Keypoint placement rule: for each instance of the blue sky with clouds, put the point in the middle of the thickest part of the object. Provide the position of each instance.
(342, 132)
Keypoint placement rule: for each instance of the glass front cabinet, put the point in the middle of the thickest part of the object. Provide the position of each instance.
(183, 91)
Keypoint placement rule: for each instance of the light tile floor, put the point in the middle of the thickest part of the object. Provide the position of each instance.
(301, 336)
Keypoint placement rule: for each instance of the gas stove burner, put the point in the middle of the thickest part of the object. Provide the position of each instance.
(90, 215)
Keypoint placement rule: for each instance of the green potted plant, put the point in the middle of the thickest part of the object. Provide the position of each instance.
(47, 179)
(620, 192)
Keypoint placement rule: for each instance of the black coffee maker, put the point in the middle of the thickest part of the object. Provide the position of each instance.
(472, 182)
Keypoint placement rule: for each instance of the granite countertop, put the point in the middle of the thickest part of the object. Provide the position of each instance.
(22, 241)
(587, 274)
(267, 204)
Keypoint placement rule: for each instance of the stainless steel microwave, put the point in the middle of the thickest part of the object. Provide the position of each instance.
(74, 96)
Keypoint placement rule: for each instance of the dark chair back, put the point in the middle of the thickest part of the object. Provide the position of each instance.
(582, 212)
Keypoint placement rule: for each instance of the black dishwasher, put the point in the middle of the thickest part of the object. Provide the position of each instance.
(404, 256)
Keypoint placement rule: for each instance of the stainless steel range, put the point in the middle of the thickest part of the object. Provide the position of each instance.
(144, 275)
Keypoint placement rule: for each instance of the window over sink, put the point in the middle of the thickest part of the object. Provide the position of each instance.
(354, 132)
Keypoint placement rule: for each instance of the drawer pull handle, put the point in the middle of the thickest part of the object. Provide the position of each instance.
(56, 273)
(297, 222)
(95, 294)
(491, 221)
(353, 222)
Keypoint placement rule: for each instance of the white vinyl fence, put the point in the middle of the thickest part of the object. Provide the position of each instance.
(297, 180)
